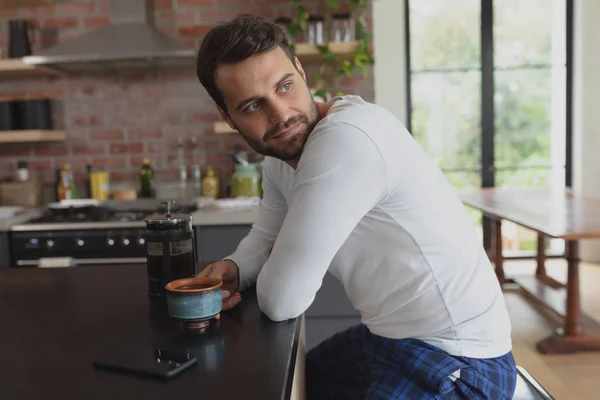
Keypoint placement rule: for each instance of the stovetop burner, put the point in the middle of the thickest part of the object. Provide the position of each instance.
(102, 214)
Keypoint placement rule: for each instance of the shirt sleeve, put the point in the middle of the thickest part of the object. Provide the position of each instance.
(253, 251)
(340, 177)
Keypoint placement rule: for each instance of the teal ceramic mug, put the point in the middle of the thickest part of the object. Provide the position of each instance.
(194, 301)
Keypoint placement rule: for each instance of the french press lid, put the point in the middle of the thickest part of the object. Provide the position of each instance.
(168, 218)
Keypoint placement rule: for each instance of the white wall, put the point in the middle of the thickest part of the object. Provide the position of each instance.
(390, 88)
(390, 56)
(586, 111)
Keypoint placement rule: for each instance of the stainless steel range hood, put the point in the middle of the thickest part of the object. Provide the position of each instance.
(130, 40)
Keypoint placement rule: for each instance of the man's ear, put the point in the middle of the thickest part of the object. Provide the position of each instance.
(225, 117)
(300, 69)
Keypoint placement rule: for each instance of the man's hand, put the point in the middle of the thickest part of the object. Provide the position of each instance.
(227, 271)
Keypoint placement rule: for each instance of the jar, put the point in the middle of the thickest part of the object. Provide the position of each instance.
(342, 28)
(22, 171)
(246, 181)
(315, 30)
(210, 184)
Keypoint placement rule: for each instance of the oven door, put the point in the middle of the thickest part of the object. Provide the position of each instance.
(68, 248)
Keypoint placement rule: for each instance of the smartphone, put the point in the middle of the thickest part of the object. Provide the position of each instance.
(155, 363)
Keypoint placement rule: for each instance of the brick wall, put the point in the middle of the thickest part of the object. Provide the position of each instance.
(113, 120)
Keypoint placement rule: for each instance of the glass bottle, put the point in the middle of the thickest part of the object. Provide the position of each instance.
(146, 179)
(210, 183)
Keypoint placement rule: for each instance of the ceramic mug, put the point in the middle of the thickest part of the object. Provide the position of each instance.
(194, 301)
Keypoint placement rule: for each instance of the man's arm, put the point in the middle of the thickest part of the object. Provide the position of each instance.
(253, 251)
(341, 176)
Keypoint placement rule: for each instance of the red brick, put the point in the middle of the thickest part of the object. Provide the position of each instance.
(194, 3)
(69, 34)
(197, 117)
(102, 6)
(163, 4)
(124, 176)
(39, 165)
(15, 150)
(74, 7)
(198, 30)
(126, 148)
(190, 43)
(33, 22)
(8, 11)
(82, 121)
(109, 163)
(173, 118)
(107, 135)
(210, 144)
(269, 2)
(140, 134)
(235, 141)
(89, 149)
(94, 22)
(179, 75)
(213, 16)
(36, 11)
(167, 30)
(66, 22)
(180, 103)
(143, 104)
(51, 150)
(177, 18)
(156, 147)
(136, 162)
(218, 160)
(237, 3)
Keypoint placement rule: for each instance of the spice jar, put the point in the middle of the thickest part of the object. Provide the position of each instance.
(342, 28)
(246, 181)
(315, 30)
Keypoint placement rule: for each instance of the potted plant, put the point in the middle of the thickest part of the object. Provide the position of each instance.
(335, 66)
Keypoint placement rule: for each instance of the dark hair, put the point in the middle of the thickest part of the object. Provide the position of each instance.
(234, 41)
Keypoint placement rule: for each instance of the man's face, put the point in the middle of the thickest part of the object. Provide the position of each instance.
(269, 103)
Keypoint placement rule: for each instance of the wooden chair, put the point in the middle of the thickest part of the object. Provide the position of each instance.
(528, 388)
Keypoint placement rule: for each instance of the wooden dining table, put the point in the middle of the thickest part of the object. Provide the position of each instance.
(552, 213)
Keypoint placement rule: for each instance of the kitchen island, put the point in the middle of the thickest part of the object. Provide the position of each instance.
(56, 321)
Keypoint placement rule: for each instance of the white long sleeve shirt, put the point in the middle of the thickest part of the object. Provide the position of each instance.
(367, 203)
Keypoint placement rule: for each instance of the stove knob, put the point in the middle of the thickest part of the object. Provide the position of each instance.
(50, 243)
(80, 242)
(125, 242)
(141, 241)
(110, 242)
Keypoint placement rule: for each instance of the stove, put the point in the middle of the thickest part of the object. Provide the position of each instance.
(86, 235)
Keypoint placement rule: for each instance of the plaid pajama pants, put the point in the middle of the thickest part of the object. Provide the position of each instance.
(356, 364)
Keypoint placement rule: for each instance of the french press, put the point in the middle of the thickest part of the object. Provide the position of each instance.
(170, 249)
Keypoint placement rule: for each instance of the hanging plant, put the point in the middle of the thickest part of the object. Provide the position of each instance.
(335, 66)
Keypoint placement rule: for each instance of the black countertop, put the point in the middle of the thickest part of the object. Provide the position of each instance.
(54, 322)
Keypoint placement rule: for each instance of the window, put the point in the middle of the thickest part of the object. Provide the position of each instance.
(519, 138)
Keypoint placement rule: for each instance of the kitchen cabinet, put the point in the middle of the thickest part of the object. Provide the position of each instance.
(4, 250)
(331, 312)
(213, 242)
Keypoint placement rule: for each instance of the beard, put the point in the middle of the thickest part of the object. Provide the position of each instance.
(289, 148)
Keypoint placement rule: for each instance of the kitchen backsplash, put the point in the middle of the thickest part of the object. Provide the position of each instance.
(114, 120)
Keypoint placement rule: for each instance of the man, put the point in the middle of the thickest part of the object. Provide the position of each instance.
(348, 190)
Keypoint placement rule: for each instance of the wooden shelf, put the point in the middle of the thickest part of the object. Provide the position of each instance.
(309, 52)
(16, 68)
(32, 136)
(222, 128)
